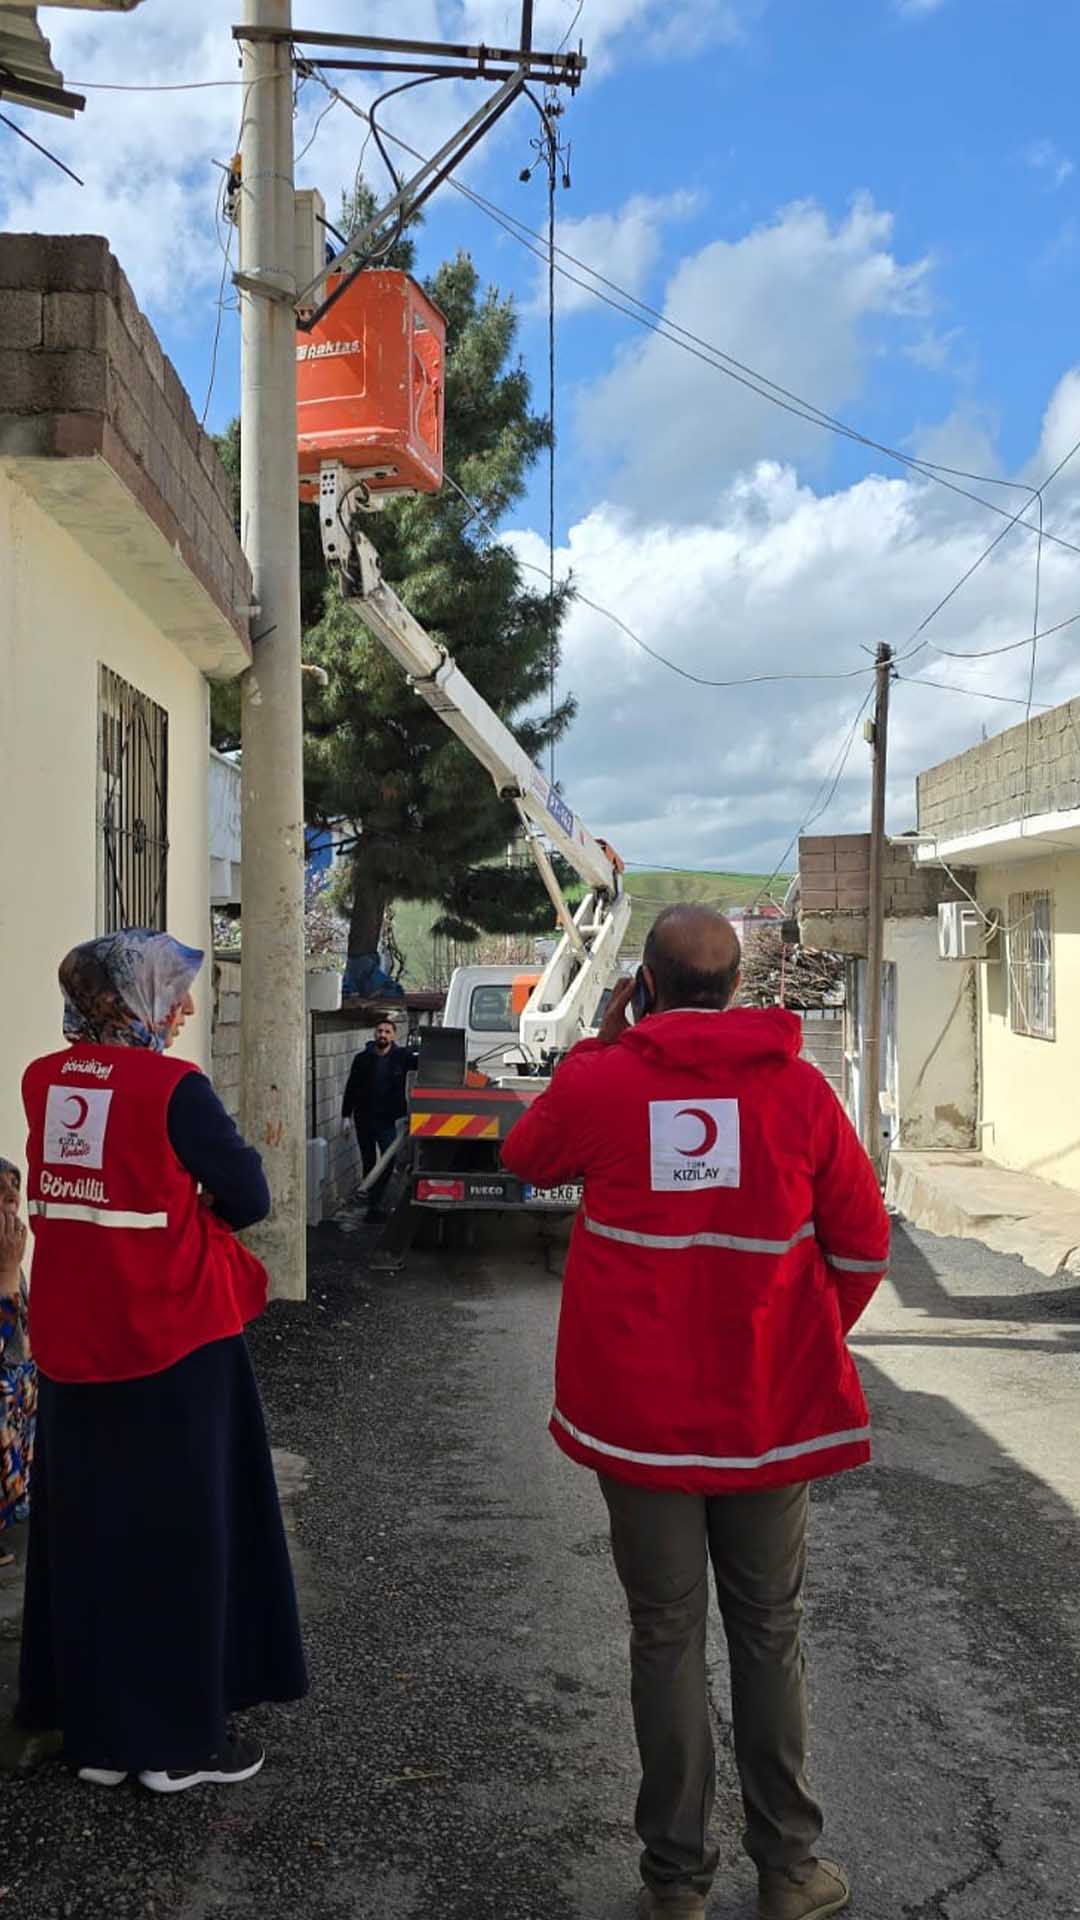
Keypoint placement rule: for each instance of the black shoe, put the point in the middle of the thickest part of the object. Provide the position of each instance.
(239, 1760)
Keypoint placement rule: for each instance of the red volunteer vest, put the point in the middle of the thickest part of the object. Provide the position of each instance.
(132, 1270)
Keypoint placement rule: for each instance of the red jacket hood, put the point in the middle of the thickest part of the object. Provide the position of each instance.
(701, 1042)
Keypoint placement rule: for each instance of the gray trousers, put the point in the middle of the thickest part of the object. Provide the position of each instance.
(663, 1543)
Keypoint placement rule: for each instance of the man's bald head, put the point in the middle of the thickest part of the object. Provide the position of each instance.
(694, 956)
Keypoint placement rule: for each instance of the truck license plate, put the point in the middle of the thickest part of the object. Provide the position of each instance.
(568, 1197)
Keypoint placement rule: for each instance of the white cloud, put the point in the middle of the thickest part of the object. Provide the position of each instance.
(148, 158)
(623, 246)
(618, 28)
(1043, 157)
(917, 9)
(776, 577)
(798, 299)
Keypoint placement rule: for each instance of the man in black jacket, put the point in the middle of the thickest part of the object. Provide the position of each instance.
(375, 1101)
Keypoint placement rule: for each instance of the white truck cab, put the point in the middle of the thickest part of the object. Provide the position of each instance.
(487, 1004)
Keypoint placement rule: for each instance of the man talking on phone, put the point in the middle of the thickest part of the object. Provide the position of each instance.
(730, 1234)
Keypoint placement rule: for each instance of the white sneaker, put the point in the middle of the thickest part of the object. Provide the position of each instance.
(239, 1760)
(102, 1776)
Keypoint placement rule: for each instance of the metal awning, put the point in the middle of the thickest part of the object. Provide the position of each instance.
(28, 74)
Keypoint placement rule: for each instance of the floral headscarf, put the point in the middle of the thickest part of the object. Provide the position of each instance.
(120, 990)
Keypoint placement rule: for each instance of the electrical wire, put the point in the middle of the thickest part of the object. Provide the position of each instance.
(1034, 664)
(314, 134)
(974, 693)
(36, 144)
(570, 28)
(163, 86)
(654, 321)
(816, 811)
(217, 331)
(915, 642)
(1013, 646)
(684, 673)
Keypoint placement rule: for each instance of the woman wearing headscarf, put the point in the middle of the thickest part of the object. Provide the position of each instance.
(159, 1597)
(18, 1380)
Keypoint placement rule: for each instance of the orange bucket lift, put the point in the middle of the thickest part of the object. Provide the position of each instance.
(369, 388)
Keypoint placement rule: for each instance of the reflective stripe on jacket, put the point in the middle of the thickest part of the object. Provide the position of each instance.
(132, 1270)
(731, 1233)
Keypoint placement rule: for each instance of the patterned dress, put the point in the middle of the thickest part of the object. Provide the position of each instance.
(18, 1408)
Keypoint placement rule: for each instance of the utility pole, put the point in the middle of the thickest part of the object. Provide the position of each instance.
(272, 1026)
(878, 733)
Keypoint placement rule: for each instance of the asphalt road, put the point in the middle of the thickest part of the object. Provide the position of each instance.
(467, 1750)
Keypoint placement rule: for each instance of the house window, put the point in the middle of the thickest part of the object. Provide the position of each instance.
(133, 807)
(1030, 964)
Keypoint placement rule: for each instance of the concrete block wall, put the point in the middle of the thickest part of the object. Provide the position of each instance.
(225, 1035)
(334, 1051)
(834, 883)
(1028, 770)
(82, 373)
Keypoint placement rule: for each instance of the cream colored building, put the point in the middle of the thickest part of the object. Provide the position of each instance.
(122, 591)
(1009, 812)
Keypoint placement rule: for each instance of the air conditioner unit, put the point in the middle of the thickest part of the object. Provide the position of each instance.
(963, 932)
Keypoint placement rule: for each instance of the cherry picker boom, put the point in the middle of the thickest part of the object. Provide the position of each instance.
(456, 1117)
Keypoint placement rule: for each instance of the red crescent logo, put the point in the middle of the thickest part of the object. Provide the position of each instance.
(82, 1108)
(710, 1133)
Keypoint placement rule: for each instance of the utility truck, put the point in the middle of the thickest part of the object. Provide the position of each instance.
(370, 386)
(516, 1026)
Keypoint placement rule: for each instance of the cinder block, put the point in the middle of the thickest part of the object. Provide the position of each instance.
(70, 382)
(152, 353)
(20, 317)
(81, 262)
(128, 419)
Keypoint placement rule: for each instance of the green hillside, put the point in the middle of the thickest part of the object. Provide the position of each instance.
(649, 891)
(652, 891)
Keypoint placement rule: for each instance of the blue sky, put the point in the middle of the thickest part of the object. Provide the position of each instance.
(875, 203)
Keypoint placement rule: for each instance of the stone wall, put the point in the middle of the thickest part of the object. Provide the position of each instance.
(1029, 770)
(335, 1046)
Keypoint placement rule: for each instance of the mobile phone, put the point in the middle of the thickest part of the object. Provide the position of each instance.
(641, 1000)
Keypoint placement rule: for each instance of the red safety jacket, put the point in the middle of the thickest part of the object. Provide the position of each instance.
(132, 1270)
(730, 1235)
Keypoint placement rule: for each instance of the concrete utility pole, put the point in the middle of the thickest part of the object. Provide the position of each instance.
(272, 1016)
(875, 951)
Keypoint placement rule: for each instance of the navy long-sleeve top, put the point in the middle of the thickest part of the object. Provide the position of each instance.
(210, 1145)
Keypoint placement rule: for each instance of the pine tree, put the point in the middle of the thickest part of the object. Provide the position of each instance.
(427, 818)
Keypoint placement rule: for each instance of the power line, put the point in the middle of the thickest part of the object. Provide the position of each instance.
(699, 680)
(721, 362)
(31, 142)
(974, 693)
(1013, 646)
(915, 642)
(815, 812)
(570, 28)
(164, 86)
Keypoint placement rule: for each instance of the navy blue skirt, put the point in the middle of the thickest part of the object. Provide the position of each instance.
(159, 1595)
